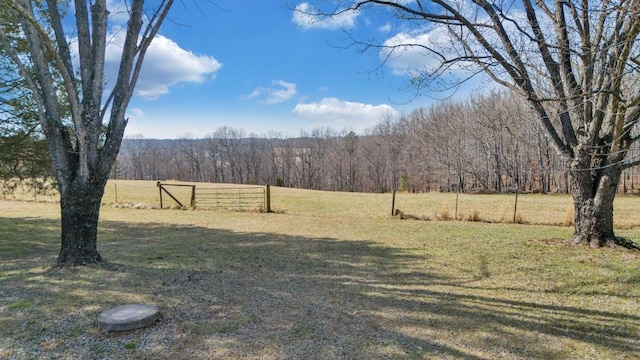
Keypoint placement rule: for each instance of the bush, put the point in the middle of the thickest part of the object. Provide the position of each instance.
(443, 214)
(474, 215)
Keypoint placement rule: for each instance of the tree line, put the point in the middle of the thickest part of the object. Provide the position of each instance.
(481, 144)
(484, 143)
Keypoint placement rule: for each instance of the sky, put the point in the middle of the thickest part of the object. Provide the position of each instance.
(261, 67)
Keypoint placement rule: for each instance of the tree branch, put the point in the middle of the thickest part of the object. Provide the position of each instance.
(128, 74)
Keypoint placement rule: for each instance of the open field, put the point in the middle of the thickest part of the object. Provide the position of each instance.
(537, 209)
(329, 275)
(531, 208)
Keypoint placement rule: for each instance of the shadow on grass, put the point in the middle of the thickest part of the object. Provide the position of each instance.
(226, 294)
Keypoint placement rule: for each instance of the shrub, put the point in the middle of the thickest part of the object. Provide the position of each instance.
(444, 214)
(474, 215)
(520, 219)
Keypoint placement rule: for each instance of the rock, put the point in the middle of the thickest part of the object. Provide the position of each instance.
(128, 317)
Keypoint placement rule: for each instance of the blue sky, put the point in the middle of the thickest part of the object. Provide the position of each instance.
(259, 66)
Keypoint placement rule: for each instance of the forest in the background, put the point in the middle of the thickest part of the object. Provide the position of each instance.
(486, 143)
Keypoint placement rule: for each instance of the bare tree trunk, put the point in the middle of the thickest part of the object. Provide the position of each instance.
(80, 209)
(593, 196)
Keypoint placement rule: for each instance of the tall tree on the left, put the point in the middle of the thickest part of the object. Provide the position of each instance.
(82, 120)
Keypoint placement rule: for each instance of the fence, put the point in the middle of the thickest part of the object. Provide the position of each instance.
(455, 216)
(516, 207)
(245, 198)
(241, 198)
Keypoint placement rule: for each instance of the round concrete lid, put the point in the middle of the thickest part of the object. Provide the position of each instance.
(128, 317)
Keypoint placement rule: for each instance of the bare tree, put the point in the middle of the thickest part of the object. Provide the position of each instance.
(230, 141)
(419, 163)
(255, 164)
(214, 158)
(137, 149)
(193, 153)
(82, 146)
(274, 158)
(350, 146)
(576, 63)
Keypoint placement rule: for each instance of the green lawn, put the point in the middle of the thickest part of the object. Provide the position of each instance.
(329, 275)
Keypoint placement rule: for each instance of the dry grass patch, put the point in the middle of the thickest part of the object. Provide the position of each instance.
(444, 214)
(316, 285)
(473, 215)
(568, 216)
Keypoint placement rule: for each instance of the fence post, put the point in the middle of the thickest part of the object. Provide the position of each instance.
(268, 198)
(393, 203)
(160, 190)
(193, 197)
(515, 207)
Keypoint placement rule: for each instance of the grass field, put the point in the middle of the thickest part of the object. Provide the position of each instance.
(531, 208)
(328, 275)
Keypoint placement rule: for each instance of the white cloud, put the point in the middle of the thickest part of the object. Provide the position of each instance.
(385, 28)
(307, 16)
(411, 51)
(408, 51)
(280, 91)
(118, 11)
(166, 64)
(134, 117)
(340, 114)
(135, 113)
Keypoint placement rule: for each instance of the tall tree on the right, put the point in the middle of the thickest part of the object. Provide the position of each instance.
(576, 62)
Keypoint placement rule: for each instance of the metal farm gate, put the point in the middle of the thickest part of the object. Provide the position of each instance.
(246, 198)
